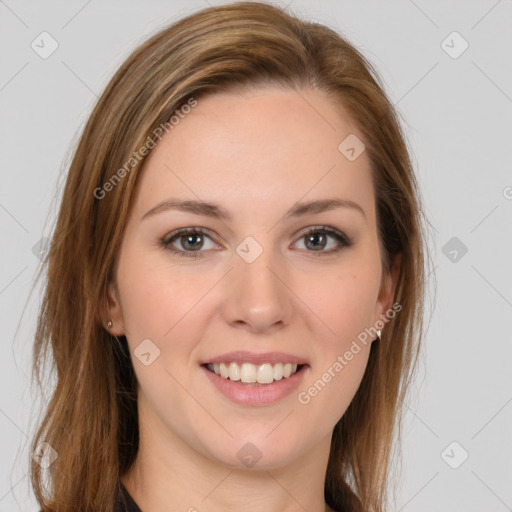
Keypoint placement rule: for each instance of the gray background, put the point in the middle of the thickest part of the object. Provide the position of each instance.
(456, 114)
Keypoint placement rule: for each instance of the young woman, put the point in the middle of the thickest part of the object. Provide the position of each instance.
(235, 286)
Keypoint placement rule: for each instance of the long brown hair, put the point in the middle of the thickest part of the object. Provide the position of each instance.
(91, 418)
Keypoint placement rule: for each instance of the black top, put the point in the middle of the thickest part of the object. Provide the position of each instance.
(125, 502)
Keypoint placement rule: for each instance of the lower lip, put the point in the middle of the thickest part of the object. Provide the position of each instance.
(256, 394)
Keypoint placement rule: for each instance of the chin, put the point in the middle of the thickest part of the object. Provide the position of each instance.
(256, 452)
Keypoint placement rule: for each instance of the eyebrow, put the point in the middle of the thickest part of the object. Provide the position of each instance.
(213, 210)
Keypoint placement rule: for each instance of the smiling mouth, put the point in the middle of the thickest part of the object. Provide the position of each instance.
(248, 373)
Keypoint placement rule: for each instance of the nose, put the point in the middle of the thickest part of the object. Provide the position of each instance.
(257, 296)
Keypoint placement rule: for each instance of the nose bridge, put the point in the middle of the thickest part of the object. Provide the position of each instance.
(257, 295)
(256, 270)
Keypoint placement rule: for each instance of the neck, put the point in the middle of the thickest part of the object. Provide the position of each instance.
(169, 474)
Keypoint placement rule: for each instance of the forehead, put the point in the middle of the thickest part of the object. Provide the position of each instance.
(257, 149)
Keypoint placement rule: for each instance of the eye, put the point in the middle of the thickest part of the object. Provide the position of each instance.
(317, 239)
(191, 241)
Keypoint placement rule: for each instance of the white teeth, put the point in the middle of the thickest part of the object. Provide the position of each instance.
(234, 372)
(278, 371)
(223, 370)
(248, 373)
(265, 373)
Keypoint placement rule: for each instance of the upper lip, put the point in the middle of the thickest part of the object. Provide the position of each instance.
(242, 356)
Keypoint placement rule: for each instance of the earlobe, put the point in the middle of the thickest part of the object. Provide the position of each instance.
(388, 288)
(394, 274)
(111, 311)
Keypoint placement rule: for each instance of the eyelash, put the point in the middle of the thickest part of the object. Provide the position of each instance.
(337, 235)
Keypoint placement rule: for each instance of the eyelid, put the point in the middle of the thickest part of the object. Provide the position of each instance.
(343, 240)
(328, 229)
(184, 231)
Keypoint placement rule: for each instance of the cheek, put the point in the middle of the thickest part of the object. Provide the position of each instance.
(168, 305)
(348, 376)
(157, 296)
(333, 383)
(341, 302)
(336, 373)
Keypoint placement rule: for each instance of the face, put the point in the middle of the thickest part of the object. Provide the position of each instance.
(256, 279)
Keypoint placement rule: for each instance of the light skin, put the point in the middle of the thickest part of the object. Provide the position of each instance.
(255, 154)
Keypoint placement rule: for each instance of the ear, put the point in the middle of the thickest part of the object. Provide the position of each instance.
(111, 310)
(387, 290)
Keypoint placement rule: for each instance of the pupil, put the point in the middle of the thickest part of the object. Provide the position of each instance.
(188, 239)
(314, 238)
